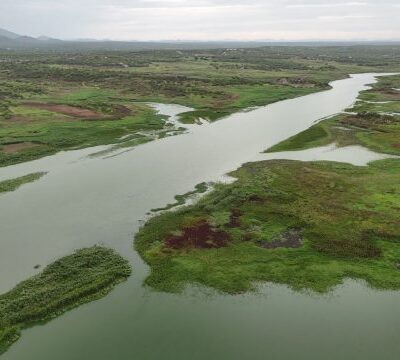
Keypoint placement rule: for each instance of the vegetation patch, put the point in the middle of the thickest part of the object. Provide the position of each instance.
(306, 139)
(84, 276)
(14, 184)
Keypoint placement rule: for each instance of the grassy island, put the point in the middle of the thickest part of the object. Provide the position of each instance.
(84, 276)
(305, 224)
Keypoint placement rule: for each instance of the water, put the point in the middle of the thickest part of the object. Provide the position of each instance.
(356, 155)
(84, 201)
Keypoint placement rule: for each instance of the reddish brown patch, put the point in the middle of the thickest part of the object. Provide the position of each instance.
(14, 148)
(200, 236)
(396, 145)
(67, 110)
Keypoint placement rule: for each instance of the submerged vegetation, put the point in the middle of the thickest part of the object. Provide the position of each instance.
(14, 184)
(51, 101)
(305, 224)
(84, 276)
(181, 199)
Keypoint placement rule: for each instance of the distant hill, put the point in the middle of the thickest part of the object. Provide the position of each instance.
(5, 42)
(10, 40)
(8, 34)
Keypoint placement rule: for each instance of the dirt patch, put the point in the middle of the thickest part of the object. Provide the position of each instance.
(122, 110)
(397, 146)
(198, 236)
(288, 239)
(391, 94)
(67, 110)
(234, 219)
(295, 82)
(14, 148)
(368, 120)
(19, 119)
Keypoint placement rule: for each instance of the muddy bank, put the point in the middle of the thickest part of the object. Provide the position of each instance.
(67, 110)
(17, 147)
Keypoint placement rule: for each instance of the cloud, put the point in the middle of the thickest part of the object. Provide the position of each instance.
(327, 5)
(344, 17)
(203, 19)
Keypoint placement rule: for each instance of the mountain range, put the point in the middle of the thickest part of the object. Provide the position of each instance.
(12, 41)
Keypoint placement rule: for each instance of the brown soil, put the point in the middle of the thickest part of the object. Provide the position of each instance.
(14, 148)
(199, 236)
(67, 110)
(397, 146)
(288, 239)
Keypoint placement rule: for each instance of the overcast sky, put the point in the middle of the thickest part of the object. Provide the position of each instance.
(204, 19)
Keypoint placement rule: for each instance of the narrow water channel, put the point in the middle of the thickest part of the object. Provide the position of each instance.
(86, 200)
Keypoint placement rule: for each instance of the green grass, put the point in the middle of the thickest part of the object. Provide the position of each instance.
(84, 276)
(98, 99)
(247, 96)
(314, 136)
(14, 184)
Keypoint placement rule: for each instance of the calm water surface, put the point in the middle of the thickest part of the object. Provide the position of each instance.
(89, 200)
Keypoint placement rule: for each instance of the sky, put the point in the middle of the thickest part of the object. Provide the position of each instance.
(278, 20)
